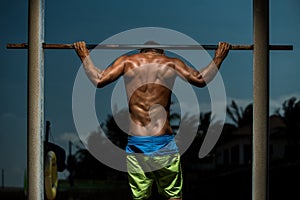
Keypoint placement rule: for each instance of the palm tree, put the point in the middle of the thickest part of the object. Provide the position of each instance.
(240, 116)
(204, 123)
(115, 134)
(291, 117)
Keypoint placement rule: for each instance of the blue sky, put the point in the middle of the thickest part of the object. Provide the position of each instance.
(207, 22)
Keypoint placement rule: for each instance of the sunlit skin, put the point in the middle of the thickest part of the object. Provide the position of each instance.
(149, 77)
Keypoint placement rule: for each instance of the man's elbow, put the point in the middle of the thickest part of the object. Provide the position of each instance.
(99, 84)
(202, 84)
(199, 84)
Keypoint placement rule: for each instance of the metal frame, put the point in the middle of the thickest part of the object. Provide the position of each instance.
(35, 121)
(35, 95)
(260, 163)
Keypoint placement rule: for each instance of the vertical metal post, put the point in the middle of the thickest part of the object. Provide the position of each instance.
(261, 100)
(35, 98)
(2, 178)
(70, 148)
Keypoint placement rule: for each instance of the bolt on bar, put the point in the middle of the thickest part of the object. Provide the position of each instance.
(143, 46)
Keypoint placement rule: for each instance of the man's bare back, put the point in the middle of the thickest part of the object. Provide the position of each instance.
(149, 77)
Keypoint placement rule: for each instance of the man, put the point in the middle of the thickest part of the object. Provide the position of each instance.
(149, 77)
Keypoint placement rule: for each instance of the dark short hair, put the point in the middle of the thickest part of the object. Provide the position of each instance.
(144, 50)
(160, 51)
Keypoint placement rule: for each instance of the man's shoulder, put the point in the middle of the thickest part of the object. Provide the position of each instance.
(142, 55)
(141, 58)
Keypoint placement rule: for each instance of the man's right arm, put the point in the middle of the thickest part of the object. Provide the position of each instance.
(202, 77)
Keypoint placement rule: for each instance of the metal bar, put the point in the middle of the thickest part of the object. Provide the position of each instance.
(261, 99)
(138, 46)
(35, 95)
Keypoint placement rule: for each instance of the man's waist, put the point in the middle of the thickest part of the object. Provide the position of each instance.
(163, 144)
(150, 138)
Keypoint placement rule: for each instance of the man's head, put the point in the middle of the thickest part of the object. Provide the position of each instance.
(145, 50)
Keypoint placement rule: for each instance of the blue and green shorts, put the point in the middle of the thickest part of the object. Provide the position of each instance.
(154, 159)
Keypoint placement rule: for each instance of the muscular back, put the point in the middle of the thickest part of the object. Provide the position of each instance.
(149, 79)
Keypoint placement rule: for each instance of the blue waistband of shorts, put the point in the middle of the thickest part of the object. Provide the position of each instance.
(152, 145)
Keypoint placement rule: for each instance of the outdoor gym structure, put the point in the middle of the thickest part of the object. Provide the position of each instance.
(35, 120)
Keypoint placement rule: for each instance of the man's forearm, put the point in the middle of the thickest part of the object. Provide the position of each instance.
(93, 73)
(210, 71)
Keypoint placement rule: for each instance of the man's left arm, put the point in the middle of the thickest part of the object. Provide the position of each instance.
(99, 77)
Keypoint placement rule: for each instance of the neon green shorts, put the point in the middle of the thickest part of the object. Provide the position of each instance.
(165, 170)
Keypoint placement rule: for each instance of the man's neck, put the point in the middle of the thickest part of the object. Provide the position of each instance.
(150, 52)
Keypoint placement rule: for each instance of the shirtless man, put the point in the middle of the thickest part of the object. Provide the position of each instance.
(149, 77)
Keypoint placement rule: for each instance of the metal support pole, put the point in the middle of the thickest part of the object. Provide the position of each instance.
(35, 115)
(261, 100)
(2, 178)
(70, 148)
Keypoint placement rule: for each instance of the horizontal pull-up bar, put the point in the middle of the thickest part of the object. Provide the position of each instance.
(144, 46)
